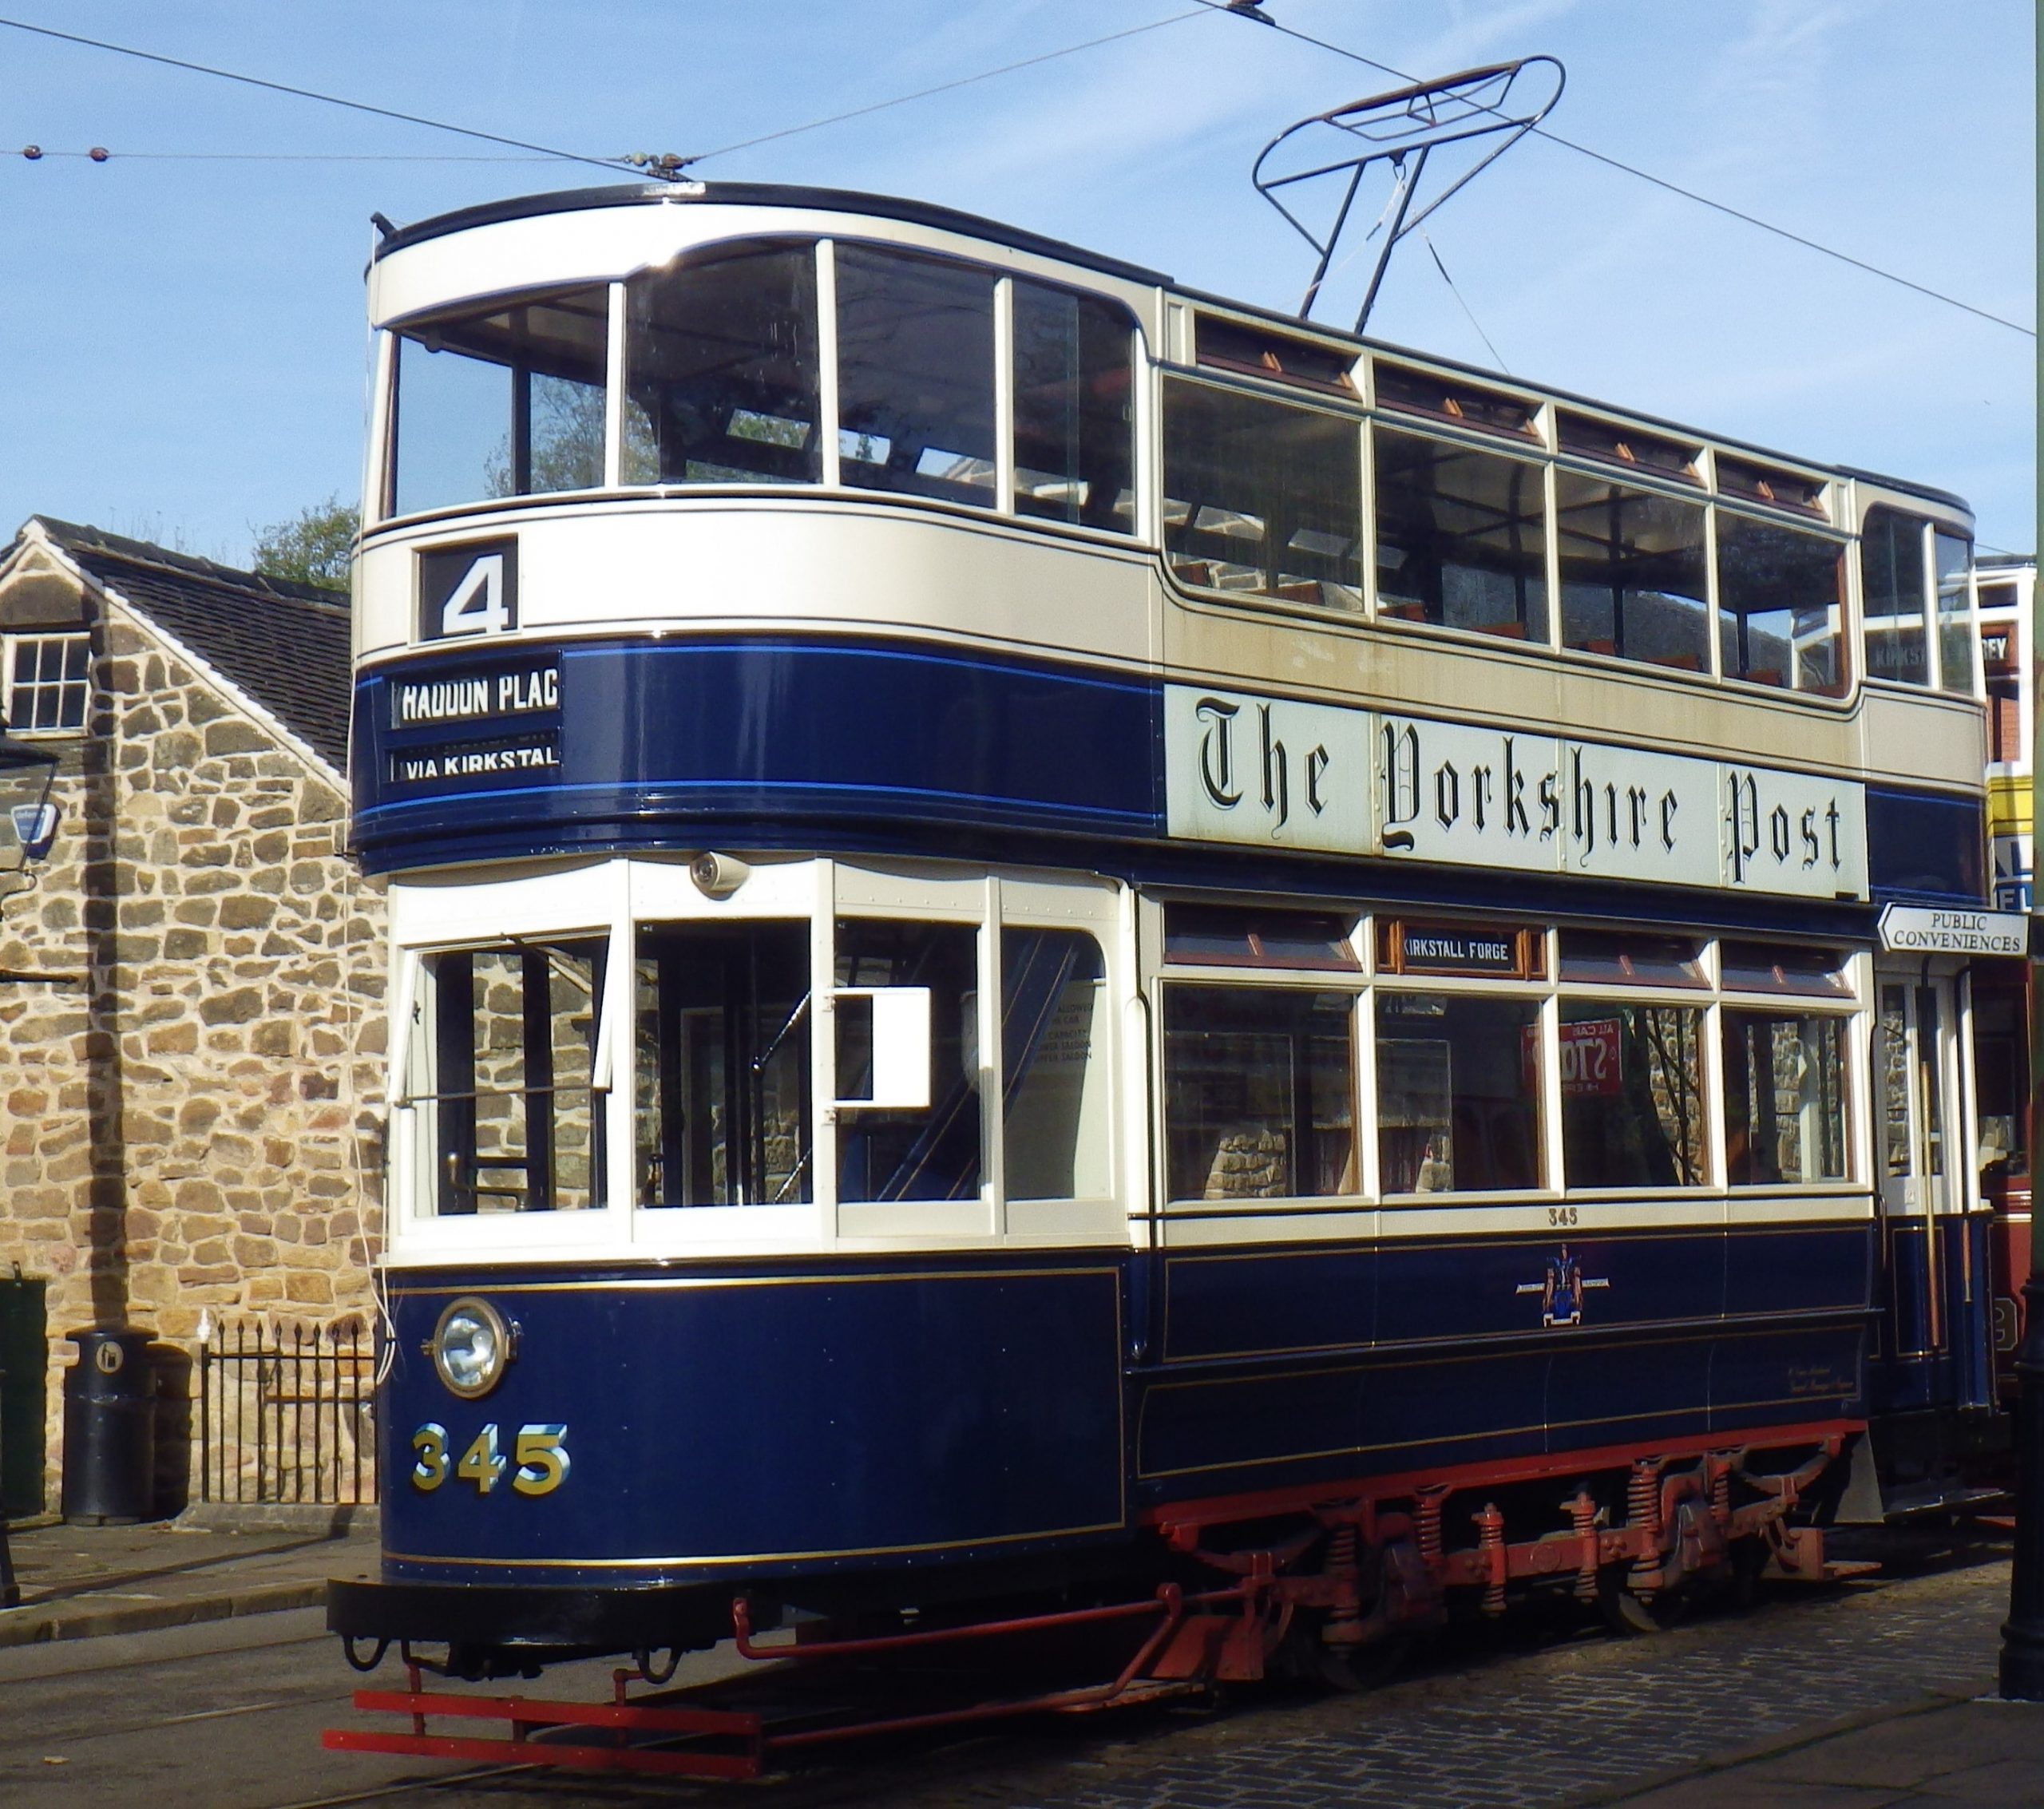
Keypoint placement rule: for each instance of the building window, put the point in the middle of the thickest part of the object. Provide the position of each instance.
(46, 683)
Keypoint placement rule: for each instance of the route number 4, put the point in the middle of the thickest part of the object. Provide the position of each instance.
(477, 605)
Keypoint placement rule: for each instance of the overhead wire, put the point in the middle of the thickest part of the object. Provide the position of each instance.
(665, 166)
(945, 87)
(100, 154)
(1433, 252)
(1251, 11)
(551, 151)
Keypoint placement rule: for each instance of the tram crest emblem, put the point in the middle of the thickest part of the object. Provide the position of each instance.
(1560, 1294)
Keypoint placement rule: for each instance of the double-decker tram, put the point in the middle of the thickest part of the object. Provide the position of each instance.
(1059, 943)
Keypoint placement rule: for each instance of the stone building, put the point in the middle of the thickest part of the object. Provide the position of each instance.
(190, 984)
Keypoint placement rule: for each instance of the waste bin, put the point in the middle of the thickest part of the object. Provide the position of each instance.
(109, 1428)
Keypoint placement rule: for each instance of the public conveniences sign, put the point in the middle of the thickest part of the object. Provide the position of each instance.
(1286, 774)
(1921, 929)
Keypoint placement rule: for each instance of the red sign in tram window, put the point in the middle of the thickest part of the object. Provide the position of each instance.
(1590, 1056)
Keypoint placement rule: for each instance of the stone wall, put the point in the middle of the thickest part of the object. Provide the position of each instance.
(190, 1022)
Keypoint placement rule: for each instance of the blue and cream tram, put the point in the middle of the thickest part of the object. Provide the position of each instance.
(1042, 925)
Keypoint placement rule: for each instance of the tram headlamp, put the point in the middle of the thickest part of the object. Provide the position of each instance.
(718, 876)
(470, 1346)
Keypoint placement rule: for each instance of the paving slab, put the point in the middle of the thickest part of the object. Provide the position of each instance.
(77, 1582)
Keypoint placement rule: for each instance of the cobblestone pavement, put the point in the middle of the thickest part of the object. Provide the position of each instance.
(1594, 1720)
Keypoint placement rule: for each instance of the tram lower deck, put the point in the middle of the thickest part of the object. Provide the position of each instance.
(846, 1233)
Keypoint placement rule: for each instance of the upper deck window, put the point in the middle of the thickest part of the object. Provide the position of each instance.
(1075, 444)
(1891, 588)
(1633, 566)
(915, 375)
(1261, 496)
(721, 373)
(1781, 605)
(503, 404)
(1957, 642)
(1461, 536)
(1226, 345)
(1418, 392)
(1615, 444)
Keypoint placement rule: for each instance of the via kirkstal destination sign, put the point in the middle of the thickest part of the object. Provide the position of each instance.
(1280, 773)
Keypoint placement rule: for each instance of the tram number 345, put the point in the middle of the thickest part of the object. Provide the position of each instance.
(540, 1454)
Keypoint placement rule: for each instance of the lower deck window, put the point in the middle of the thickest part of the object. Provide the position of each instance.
(1784, 1097)
(723, 1048)
(1055, 1081)
(911, 1155)
(511, 1119)
(1259, 1094)
(1457, 1093)
(1632, 1095)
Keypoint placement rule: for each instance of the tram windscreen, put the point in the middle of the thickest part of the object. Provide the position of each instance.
(722, 1020)
(1957, 643)
(915, 375)
(1891, 596)
(1074, 432)
(510, 1122)
(721, 372)
(502, 404)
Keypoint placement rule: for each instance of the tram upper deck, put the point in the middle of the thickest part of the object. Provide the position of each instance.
(773, 468)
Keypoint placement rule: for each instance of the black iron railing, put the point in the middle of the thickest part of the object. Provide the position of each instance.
(287, 1415)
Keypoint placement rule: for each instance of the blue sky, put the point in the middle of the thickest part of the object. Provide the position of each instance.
(181, 345)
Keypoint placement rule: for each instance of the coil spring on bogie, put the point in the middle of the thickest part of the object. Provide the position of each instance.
(1344, 1625)
(1426, 1506)
(1582, 1508)
(1643, 1509)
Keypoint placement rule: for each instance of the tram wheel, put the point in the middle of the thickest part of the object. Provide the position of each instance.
(1354, 1670)
(1625, 1613)
(1750, 1558)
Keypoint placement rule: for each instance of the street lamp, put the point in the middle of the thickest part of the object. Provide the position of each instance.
(28, 820)
(2023, 1634)
(27, 824)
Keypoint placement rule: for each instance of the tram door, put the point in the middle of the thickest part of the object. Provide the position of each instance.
(1927, 1250)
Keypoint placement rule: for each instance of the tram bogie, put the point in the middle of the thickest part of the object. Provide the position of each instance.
(1058, 944)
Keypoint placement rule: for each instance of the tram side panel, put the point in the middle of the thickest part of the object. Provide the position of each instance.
(1305, 1369)
(724, 1421)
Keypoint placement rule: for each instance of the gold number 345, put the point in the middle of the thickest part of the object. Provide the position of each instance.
(540, 1451)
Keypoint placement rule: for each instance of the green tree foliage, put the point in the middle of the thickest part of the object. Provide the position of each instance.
(312, 547)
